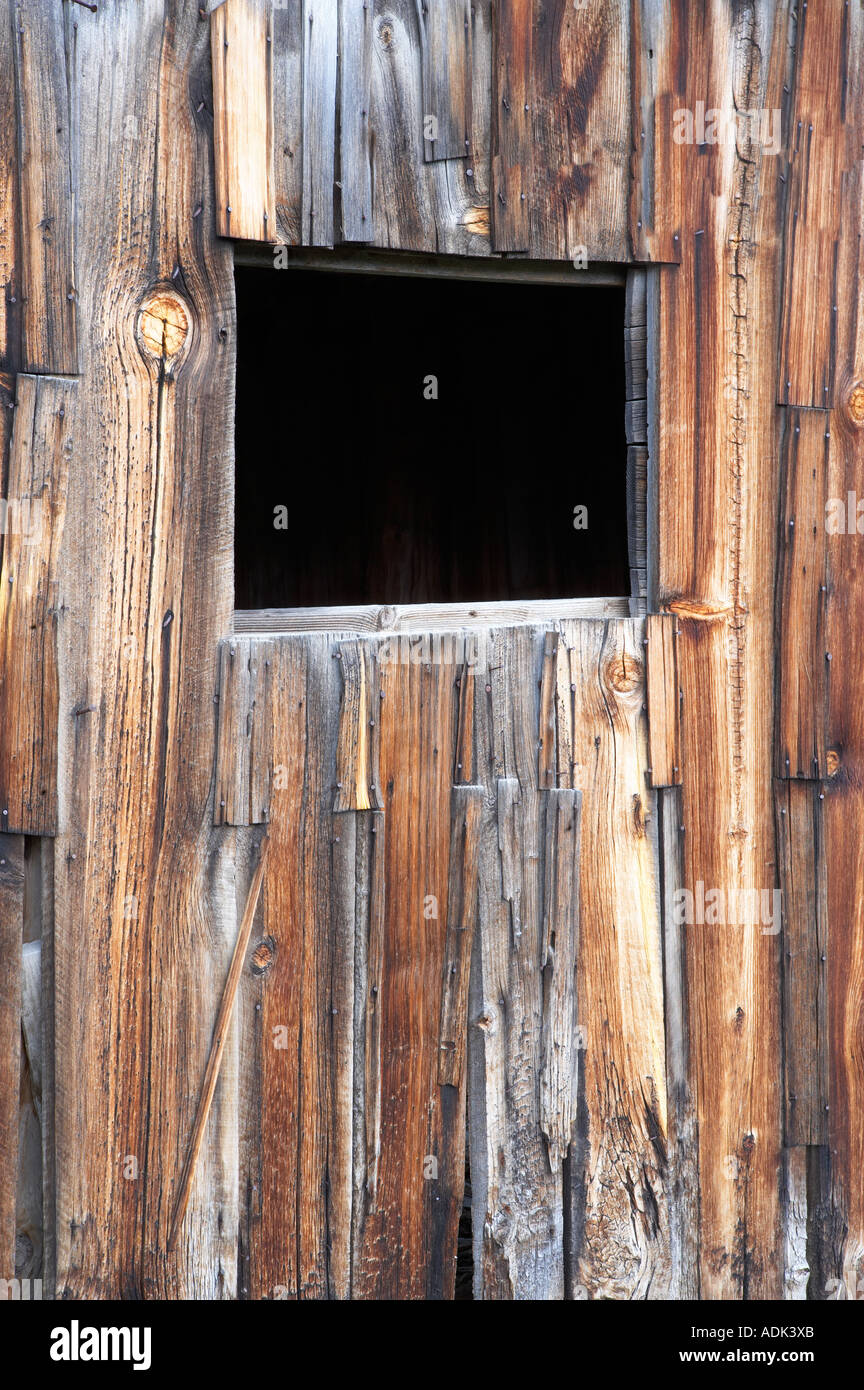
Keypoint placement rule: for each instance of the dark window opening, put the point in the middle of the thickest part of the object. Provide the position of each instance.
(392, 496)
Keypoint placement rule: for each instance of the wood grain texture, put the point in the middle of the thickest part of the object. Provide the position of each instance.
(320, 37)
(620, 1201)
(143, 917)
(803, 882)
(42, 451)
(423, 617)
(580, 130)
(46, 209)
(802, 595)
(355, 121)
(512, 142)
(445, 57)
(11, 940)
(242, 47)
(716, 425)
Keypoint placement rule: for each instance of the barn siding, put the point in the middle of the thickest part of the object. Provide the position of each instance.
(735, 1054)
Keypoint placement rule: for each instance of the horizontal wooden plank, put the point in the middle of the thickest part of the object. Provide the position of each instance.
(422, 617)
(243, 120)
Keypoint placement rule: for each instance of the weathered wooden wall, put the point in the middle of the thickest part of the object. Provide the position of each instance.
(655, 1109)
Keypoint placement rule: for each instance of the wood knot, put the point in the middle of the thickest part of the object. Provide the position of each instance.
(385, 33)
(855, 403)
(163, 324)
(624, 673)
(832, 762)
(263, 956)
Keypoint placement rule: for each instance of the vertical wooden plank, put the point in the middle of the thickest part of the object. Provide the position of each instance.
(287, 26)
(440, 206)
(619, 1224)
(664, 705)
(142, 928)
(40, 457)
(715, 569)
(802, 873)
(658, 34)
(11, 939)
(445, 57)
(838, 1205)
(467, 804)
(801, 595)
(517, 1198)
(9, 229)
(580, 123)
(558, 964)
(406, 1240)
(242, 46)
(46, 205)
(320, 38)
(355, 120)
(813, 208)
(512, 140)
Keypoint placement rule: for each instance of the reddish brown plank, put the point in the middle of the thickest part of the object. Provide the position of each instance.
(512, 142)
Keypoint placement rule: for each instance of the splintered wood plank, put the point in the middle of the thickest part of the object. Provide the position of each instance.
(558, 962)
(357, 777)
(512, 140)
(517, 1198)
(467, 803)
(817, 152)
(356, 19)
(44, 435)
(580, 124)
(801, 595)
(664, 705)
(716, 425)
(144, 918)
(803, 882)
(439, 206)
(11, 940)
(320, 39)
(619, 1182)
(406, 1230)
(46, 207)
(243, 120)
(287, 26)
(658, 33)
(445, 56)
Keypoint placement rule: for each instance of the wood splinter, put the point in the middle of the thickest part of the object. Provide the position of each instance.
(217, 1047)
